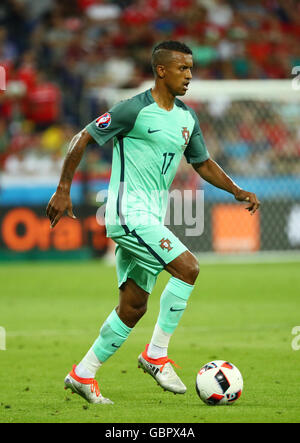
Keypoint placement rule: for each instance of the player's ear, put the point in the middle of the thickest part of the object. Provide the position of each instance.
(160, 71)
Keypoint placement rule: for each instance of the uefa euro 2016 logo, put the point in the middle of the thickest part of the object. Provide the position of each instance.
(2, 79)
(103, 121)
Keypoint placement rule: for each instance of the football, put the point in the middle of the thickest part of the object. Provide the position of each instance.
(219, 382)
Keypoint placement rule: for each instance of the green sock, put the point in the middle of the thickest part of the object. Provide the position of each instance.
(113, 333)
(173, 302)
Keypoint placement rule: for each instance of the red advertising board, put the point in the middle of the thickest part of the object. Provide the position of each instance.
(24, 229)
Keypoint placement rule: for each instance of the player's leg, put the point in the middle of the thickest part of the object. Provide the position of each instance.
(167, 250)
(132, 303)
(173, 302)
(115, 330)
(118, 325)
(183, 266)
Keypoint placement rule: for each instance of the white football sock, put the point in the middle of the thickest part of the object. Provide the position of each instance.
(88, 366)
(158, 346)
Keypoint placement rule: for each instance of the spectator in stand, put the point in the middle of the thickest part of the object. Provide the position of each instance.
(219, 13)
(71, 82)
(52, 139)
(58, 37)
(14, 17)
(119, 62)
(43, 103)
(140, 13)
(103, 12)
(27, 71)
(252, 12)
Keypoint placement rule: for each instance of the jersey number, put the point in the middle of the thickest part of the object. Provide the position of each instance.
(166, 163)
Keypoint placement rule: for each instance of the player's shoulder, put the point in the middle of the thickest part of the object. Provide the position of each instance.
(124, 113)
(133, 104)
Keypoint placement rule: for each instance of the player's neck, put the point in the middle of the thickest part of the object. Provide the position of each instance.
(163, 98)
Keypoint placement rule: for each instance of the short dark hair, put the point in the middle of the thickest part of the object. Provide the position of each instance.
(158, 51)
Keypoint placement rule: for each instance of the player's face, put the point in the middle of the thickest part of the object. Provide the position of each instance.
(178, 73)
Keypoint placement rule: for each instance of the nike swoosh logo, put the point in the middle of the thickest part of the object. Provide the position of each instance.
(174, 310)
(115, 346)
(155, 130)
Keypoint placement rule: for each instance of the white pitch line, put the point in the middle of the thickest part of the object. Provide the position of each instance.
(208, 258)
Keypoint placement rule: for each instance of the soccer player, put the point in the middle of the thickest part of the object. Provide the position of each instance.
(151, 132)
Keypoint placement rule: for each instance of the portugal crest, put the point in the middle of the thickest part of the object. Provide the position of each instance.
(165, 243)
(186, 135)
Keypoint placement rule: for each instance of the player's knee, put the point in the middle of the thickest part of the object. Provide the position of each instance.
(141, 311)
(185, 267)
(192, 270)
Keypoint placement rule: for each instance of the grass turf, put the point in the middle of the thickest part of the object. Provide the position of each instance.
(242, 313)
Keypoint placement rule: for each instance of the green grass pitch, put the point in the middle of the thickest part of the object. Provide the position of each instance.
(242, 313)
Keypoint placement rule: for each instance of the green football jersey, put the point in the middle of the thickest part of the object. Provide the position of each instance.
(149, 142)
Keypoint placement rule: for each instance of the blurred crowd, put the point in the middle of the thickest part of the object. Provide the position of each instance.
(58, 55)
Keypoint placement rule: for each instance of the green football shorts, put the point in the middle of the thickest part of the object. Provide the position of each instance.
(143, 254)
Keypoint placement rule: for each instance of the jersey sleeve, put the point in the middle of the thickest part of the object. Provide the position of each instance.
(196, 151)
(117, 121)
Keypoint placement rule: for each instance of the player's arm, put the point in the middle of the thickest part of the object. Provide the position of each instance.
(210, 171)
(61, 200)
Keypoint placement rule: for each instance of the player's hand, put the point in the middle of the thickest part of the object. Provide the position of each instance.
(249, 197)
(58, 204)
